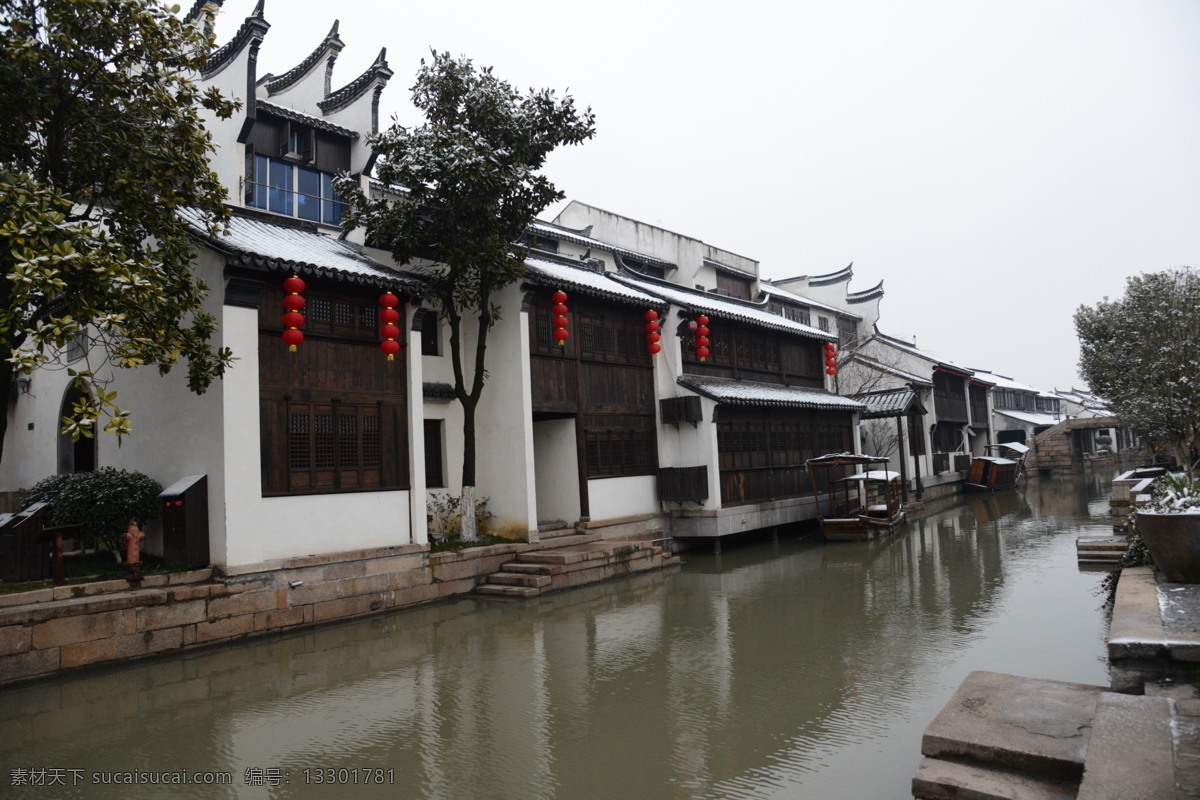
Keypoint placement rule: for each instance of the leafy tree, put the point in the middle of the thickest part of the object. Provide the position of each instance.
(1139, 352)
(102, 142)
(470, 172)
(102, 501)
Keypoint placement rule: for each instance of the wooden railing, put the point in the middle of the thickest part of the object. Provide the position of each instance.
(741, 486)
(683, 484)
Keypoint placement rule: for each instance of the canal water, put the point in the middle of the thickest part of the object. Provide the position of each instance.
(789, 669)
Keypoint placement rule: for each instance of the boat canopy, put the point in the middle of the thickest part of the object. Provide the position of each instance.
(881, 475)
(840, 459)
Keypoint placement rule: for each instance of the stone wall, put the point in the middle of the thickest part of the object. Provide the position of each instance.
(55, 630)
(1057, 451)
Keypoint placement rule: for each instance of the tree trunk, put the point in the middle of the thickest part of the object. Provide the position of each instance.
(466, 506)
(6, 382)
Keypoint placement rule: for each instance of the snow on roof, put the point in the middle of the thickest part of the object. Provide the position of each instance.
(890, 403)
(909, 347)
(772, 289)
(995, 460)
(566, 234)
(1031, 417)
(875, 364)
(306, 119)
(1015, 446)
(1004, 382)
(729, 309)
(265, 245)
(748, 393)
(873, 475)
(550, 273)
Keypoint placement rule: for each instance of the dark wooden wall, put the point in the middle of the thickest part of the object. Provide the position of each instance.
(752, 354)
(603, 375)
(762, 451)
(334, 412)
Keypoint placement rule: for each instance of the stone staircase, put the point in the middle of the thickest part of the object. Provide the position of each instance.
(1100, 549)
(575, 564)
(1002, 737)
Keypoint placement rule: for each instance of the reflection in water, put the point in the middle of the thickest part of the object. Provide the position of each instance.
(777, 670)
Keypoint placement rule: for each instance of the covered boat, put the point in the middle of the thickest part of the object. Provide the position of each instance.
(995, 471)
(860, 505)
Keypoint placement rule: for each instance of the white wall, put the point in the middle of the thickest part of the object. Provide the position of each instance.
(556, 470)
(611, 498)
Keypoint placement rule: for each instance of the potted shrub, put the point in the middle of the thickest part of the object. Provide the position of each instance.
(1170, 526)
(102, 502)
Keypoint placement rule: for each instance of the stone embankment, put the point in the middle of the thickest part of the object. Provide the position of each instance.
(50, 631)
(1002, 737)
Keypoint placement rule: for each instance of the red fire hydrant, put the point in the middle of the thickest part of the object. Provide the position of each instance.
(132, 539)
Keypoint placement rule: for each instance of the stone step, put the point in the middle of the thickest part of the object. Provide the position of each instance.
(514, 579)
(525, 569)
(1130, 754)
(588, 552)
(493, 590)
(1038, 727)
(951, 780)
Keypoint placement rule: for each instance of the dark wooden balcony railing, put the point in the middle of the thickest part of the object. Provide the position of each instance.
(683, 484)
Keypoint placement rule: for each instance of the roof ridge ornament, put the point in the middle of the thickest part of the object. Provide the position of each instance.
(329, 48)
(251, 34)
(377, 76)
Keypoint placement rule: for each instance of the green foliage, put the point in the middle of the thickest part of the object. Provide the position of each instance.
(103, 501)
(471, 177)
(103, 142)
(1139, 353)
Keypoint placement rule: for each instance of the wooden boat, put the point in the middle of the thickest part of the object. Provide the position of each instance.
(989, 473)
(859, 506)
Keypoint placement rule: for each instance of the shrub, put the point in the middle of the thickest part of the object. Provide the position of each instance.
(102, 502)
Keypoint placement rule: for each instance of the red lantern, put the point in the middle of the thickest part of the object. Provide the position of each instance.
(650, 316)
(651, 327)
(831, 362)
(560, 317)
(292, 318)
(388, 331)
(830, 371)
(655, 348)
(652, 337)
(692, 325)
(700, 326)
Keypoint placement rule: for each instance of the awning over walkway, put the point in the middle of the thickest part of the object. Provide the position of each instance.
(748, 393)
(890, 403)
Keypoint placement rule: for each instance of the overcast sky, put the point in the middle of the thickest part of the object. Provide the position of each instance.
(996, 164)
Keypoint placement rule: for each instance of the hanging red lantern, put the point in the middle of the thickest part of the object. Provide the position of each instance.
(700, 326)
(830, 358)
(388, 332)
(830, 371)
(652, 335)
(830, 362)
(292, 318)
(560, 317)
